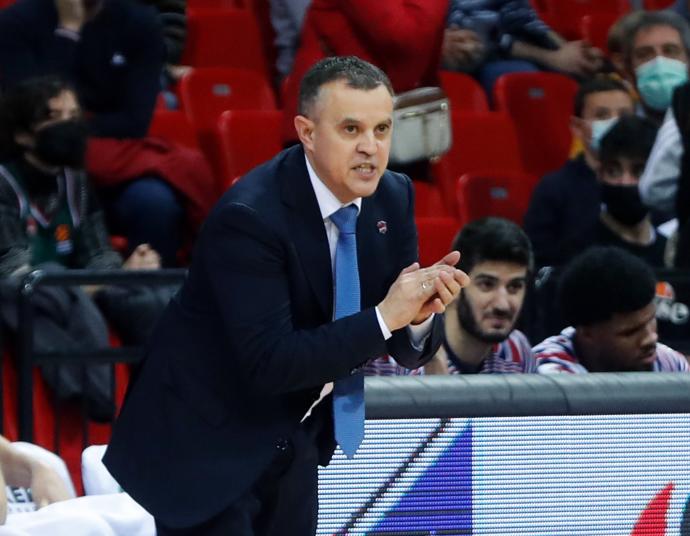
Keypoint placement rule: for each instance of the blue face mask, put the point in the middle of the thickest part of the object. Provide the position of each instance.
(599, 129)
(656, 80)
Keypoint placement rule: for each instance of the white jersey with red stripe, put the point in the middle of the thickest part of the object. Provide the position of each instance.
(557, 354)
(387, 366)
(510, 356)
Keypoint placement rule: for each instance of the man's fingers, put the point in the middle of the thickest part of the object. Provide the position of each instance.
(451, 259)
(411, 268)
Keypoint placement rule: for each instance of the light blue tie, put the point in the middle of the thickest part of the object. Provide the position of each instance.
(348, 393)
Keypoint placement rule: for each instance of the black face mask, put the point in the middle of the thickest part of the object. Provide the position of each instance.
(624, 203)
(62, 144)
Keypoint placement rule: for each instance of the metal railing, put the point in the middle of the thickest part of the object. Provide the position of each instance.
(28, 358)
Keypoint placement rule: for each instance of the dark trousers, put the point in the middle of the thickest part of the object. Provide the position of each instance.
(283, 501)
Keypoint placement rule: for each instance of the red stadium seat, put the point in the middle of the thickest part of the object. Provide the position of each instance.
(565, 15)
(595, 29)
(481, 141)
(464, 92)
(540, 105)
(207, 93)
(248, 138)
(174, 126)
(494, 194)
(224, 38)
(435, 238)
(429, 201)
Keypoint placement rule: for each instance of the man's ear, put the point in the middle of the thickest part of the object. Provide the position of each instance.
(305, 131)
(577, 127)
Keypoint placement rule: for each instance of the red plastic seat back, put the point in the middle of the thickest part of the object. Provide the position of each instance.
(540, 105)
(435, 238)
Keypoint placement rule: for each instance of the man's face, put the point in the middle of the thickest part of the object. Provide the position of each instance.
(622, 171)
(600, 106)
(62, 107)
(656, 41)
(489, 307)
(347, 138)
(626, 342)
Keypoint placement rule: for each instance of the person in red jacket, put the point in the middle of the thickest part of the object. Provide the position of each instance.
(403, 38)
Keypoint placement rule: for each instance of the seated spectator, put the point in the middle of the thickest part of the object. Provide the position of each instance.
(403, 38)
(489, 38)
(50, 219)
(624, 220)
(564, 208)
(480, 334)
(113, 52)
(607, 298)
(48, 212)
(656, 49)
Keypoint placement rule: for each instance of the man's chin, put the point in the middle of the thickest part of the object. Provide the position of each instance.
(494, 336)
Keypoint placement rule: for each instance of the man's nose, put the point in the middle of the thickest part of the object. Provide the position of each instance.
(367, 143)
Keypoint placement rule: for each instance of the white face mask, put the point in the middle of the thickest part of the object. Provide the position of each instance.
(599, 129)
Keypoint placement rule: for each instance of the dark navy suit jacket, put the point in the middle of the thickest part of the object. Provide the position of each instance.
(246, 346)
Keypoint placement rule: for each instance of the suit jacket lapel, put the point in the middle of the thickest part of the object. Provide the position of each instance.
(307, 229)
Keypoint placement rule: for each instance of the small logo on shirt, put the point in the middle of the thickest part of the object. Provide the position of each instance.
(63, 240)
(382, 226)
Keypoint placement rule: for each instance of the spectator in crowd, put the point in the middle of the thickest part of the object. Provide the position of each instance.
(656, 51)
(489, 38)
(50, 219)
(113, 52)
(564, 208)
(287, 17)
(403, 38)
(48, 212)
(624, 220)
(607, 297)
(479, 327)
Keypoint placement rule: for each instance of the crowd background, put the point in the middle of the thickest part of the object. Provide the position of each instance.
(569, 119)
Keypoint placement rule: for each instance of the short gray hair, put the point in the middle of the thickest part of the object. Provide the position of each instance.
(648, 19)
(355, 72)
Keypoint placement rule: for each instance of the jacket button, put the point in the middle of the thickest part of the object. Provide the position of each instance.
(282, 444)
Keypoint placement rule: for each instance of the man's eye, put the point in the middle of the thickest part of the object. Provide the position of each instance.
(350, 129)
(383, 128)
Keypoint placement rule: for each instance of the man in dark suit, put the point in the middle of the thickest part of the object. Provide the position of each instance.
(224, 427)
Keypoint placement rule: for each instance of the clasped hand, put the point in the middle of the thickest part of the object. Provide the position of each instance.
(419, 292)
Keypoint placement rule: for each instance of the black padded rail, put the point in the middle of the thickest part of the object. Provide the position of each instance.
(513, 395)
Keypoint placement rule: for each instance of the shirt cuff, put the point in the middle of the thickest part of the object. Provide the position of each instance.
(69, 34)
(384, 328)
(419, 333)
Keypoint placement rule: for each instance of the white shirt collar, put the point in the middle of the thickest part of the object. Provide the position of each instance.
(328, 202)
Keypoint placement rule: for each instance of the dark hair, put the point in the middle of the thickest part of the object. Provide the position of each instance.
(604, 281)
(597, 84)
(24, 105)
(647, 19)
(493, 239)
(631, 137)
(357, 73)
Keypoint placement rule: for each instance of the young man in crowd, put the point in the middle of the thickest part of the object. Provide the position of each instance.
(624, 220)
(607, 297)
(564, 208)
(479, 328)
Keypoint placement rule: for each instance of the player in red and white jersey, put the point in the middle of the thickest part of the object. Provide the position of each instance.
(480, 334)
(607, 295)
